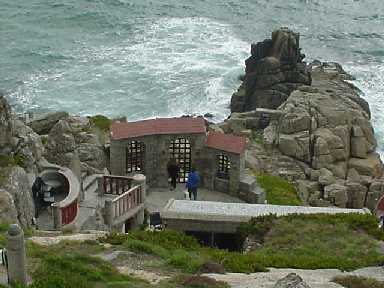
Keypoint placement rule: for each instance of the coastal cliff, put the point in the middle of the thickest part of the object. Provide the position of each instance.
(24, 153)
(315, 127)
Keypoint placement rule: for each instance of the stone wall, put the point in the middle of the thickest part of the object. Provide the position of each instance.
(157, 155)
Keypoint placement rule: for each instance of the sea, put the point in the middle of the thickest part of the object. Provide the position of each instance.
(159, 58)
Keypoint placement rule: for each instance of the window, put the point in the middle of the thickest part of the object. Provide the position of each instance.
(135, 157)
(224, 165)
(180, 149)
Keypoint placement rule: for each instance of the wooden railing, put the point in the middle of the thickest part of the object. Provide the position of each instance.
(115, 185)
(127, 201)
(69, 213)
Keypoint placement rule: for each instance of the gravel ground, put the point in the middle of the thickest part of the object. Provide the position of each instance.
(315, 278)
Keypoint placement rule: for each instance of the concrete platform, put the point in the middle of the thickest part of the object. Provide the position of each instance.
(222, 217)
(157, 198)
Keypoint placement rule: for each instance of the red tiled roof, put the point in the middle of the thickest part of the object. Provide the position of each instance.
(158, 126)
(226, 142)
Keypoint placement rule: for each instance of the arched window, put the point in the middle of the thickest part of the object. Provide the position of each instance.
(180, 149)
(135, 157)
(223, 166)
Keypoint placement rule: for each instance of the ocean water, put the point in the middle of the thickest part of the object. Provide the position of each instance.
(144, 58)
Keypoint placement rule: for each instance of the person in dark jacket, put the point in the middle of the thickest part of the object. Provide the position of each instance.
(193, 183)
(173, 172)
(37, 193)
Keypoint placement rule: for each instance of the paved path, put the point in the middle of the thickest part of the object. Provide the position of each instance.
(157, 198)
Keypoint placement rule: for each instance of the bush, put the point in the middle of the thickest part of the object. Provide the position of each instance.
(358, 282)
(101, 122)
(278, 191)
(203, 282)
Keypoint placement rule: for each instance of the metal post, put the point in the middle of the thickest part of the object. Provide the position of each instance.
(16, 255)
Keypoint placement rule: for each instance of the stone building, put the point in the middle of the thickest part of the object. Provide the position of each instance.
(147, 146)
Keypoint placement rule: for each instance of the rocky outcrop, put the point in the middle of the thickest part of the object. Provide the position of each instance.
(74, 135)
(292, 280)
(44, 123)
(5, 125)
(319, 135)
(28, 146)
(16, 203)
(22, 150)
(273, 71)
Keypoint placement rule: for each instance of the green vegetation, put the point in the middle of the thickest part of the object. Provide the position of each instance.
(278, 191)
(3, 230)
(6, 161)
(101, 122)
(19, 160)
(358, 282)
(10, 161)
(183, 252)
(343, 241)
(257, 136)
(44, 139)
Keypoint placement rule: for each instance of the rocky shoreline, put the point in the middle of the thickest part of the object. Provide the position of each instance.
(315, 127)
(305, 123)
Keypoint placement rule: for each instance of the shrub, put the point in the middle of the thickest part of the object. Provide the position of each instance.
(101, 122)
(358, 282)
(202, 282)
(278, 191)
(185, 261)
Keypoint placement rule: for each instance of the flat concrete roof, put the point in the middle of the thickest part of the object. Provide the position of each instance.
(238, 212)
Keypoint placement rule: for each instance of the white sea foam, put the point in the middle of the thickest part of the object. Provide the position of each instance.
(168, 67)
(370, 79)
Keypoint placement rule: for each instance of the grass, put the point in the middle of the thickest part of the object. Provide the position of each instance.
(358, 282)
(278, 191)
(343, 241)
(183, 252)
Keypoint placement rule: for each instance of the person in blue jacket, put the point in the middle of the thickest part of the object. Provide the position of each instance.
(193, 183)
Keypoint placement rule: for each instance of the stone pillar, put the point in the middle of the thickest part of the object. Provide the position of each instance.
(108, 208)
(140, 179)
(56, 217)
(100, 183)
(16, 255)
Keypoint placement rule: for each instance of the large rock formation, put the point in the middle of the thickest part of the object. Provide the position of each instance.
(320, 136)
(273, 71)
(19, 145)
(16, 203)
(5, 125)
(44, 123)
(74, 135)
(292, 280)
